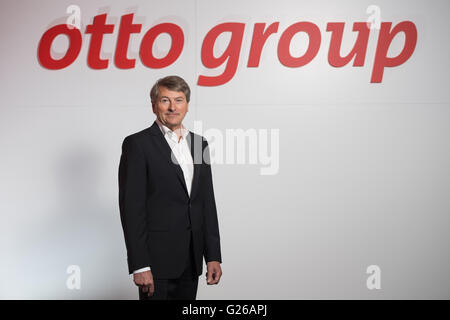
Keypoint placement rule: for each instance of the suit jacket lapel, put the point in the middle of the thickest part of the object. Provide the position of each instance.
(164, 147)
(196, 152)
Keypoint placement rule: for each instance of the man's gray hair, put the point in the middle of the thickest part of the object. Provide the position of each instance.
(173, 83)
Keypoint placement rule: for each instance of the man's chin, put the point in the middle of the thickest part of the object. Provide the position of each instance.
(173, 123)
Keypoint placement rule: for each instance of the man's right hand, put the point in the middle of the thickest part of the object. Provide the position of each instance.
(145, 281)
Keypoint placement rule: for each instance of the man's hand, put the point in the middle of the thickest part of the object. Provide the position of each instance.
(145, 281)
(214, 272)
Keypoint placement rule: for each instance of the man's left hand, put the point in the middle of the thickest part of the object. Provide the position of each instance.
(214, 272)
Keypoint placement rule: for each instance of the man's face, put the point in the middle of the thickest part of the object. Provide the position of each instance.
(170, 107)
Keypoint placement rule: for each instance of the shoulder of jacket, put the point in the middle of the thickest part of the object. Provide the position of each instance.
(137, 136)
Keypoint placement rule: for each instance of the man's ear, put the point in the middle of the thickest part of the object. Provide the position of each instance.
(153, 108)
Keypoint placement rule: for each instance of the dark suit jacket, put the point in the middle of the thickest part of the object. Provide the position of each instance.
(156, 211)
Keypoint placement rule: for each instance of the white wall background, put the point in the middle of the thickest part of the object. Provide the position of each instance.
(364, 168)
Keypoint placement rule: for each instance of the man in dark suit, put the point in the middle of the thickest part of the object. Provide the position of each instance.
(166, 200)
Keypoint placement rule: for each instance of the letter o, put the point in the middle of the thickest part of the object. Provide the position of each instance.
(285, 40)
(146, 49)
(45, 45)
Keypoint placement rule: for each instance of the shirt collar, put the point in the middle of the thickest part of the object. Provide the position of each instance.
(172, 135)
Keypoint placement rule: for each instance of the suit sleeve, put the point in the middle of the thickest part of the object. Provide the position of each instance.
(211, 232)
(132, 199)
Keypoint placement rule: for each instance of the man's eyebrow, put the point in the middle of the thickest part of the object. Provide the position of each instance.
(178, 97)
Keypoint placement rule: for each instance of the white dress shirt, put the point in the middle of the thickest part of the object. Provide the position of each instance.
(180, 149)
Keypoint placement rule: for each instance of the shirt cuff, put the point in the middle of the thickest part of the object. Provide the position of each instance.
(141, 270)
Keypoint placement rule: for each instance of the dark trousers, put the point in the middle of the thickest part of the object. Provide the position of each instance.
(182, 288)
